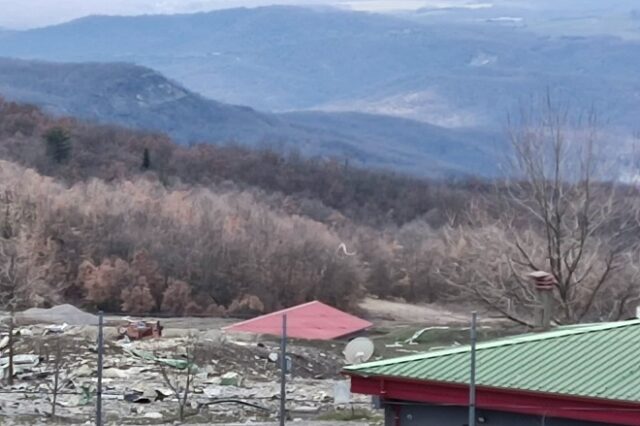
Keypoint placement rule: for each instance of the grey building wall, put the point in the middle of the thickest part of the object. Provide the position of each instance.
(432, 415)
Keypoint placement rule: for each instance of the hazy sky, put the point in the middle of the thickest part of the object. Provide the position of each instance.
(33, 13)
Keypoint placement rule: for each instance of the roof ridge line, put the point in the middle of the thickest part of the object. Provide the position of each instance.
(496, 343)
(276, 313)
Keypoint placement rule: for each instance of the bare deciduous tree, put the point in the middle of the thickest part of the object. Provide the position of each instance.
(558, 212)
(60, 365)
(19, 268)
(180, 378)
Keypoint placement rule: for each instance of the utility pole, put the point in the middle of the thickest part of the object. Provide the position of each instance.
(283, 371)
(472, 379)
(99, 385)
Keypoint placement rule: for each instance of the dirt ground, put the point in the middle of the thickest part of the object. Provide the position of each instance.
(404, 313)
(380, 312)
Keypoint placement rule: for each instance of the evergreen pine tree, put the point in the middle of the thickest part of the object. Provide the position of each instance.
(146, 160)
(6, 230)
(58, 144)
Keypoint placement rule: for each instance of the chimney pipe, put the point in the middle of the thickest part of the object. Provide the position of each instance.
(544, 283)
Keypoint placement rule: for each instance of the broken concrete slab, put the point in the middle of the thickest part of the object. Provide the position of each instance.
(4, 342)
(305, 409)
(153, 415)
(21, 364)
(84, 371)
(56, 328)
(115, 373)
(231, 379)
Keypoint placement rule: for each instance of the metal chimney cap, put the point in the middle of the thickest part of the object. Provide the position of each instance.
(539, 274)
(544, 281)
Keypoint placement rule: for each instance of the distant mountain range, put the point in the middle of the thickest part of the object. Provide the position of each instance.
(141, 98)
(425, 93)
(456, 68)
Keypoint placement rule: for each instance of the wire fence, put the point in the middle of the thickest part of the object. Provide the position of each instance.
(97, 394)
(102, 393)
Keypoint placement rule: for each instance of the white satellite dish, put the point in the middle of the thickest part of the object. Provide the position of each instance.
(359, 350)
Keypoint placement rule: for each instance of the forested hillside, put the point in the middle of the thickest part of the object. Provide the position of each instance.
(126, 221)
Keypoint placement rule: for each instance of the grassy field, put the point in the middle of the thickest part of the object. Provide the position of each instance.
(410, 340)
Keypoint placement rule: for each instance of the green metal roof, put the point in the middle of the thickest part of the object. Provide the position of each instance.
(596, 360)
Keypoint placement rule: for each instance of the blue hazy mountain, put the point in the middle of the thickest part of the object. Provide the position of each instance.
(138, 97)
(449, 77)
(457, 68)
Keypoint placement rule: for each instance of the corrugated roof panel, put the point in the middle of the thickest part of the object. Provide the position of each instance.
(313, 320)
(598, 360)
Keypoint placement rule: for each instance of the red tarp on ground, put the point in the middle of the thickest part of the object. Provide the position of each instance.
(313, 320)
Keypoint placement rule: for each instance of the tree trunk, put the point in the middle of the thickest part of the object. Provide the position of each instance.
(55, 389)
(185, 396)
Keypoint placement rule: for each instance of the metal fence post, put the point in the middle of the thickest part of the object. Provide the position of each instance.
(283, 371)
(472, 379)
(99, 385)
